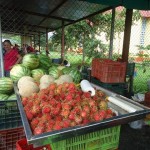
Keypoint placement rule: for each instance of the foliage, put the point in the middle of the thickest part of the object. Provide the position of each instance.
(141, 47)
(42, 40)
(84, 33)
(140, 81)
(15, 39)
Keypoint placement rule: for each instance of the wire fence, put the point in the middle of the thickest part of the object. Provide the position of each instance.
(86, 39)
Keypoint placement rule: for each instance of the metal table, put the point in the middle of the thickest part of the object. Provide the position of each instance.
(53, 136)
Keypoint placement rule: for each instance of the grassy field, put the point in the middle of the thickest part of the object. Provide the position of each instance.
(72, 57)
(141, 78)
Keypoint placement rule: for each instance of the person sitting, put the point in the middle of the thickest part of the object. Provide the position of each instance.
(30, 49)
(16, 47)
(11, 57)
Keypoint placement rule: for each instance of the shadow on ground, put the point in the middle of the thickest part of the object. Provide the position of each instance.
(134, 139)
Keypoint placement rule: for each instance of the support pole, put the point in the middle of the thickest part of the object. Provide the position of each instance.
(47, 42)
(34, 40)
(1, 53)
(112, 34)
(62, 42)
(127, 33)
(39, 42)
(31, 41)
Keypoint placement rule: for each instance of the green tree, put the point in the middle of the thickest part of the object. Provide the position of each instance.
(85, 32)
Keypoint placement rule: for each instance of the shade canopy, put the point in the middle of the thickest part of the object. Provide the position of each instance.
(33, 16)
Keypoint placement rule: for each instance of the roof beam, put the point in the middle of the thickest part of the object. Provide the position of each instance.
(47, 16)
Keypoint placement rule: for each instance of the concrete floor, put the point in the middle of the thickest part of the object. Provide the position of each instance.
(134, 139)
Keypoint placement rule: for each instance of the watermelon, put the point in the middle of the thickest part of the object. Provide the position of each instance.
(55, 72)
(66, 70)
(19, 71)
(45, 61)
(6, 85)
(3, 97)
(76, 75)
(11, 101)
(61, 67)
(12, 97)
(37, 74)
(31, 61)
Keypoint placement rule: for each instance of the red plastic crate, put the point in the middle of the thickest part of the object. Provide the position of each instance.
(109, 71)
(23, 145)
(96, 64)
(8, 138)
(94, 67)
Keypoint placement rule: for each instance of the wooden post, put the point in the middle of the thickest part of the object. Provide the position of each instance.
(127, 32)
(39, 41)
(112, 34)
(62, 42)
(31, 41)
(47, 42)
(34, 40)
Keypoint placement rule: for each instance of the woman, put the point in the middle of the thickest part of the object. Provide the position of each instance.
(11, 57)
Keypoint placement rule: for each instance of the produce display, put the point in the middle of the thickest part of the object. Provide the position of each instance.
(38, 65)
(64, 105)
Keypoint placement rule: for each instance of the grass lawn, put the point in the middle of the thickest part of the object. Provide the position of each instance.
(72, 57)
(140, 80)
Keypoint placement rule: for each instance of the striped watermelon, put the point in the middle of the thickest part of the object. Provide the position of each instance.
(31, 61)
(37, 74)
(76, 75)
(66, 70)
(3, 97)
(12, 97)
(19, 71)
(11, 101)
(45, 61)
(6, 85)
(55, 72)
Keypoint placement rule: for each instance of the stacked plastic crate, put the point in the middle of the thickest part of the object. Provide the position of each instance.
(109, 74)
(11, 129)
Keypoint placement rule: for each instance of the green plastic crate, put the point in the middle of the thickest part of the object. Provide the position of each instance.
(9, 115)
(119, 88)
(106, 139)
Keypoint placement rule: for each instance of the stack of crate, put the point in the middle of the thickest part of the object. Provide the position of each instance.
(109, 74)
(11, 129)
